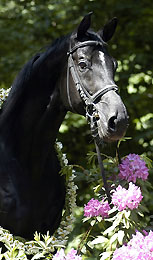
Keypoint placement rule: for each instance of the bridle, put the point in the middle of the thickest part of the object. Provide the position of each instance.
(89, 100)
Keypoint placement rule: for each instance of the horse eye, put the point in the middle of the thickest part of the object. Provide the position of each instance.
(82, 65)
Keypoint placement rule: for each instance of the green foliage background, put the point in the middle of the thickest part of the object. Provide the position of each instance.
(26, 26)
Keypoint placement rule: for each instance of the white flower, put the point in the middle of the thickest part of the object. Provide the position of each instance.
(61, 234)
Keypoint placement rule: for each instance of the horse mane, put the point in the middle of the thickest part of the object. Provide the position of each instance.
(25, 79)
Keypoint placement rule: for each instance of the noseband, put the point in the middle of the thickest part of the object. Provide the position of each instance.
(89, 100)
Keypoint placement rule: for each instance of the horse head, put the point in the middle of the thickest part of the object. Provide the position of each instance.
(90, 85)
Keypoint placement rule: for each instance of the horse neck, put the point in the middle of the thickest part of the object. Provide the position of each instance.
(30, 122)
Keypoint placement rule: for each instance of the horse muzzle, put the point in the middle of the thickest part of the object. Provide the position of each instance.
(109, 119)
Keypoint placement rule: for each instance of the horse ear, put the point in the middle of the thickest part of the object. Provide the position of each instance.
(107, 32)
(84, 25)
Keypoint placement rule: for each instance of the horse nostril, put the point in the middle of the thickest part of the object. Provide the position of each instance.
(112, 123)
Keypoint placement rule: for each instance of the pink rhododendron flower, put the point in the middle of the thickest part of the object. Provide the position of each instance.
(133, 167)
(60, 255)
(138, 248)
(96, 208)
(72, 255)
(123, 198)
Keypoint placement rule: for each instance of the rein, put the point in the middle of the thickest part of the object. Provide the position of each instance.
(89, 100)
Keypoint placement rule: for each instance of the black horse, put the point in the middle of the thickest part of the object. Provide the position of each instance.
(75, 73)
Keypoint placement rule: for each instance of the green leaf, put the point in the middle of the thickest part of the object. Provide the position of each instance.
(86, 219)
(108, 157)
(38, 256)
(99, 218)
(37, 236)
(121, 235)
(127, 213)
(97, 188)
(124, 139)
(99, 240)
(92, 223)
(147, 160)
(126, 223)
(89, 243)
(118, 220)
(113, 238)
(91, 157)
(106, 255)
(119, 217)
(112, 210)
(110, 229)
(143, 208)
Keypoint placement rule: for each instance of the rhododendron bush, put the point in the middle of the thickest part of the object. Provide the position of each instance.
(119, 230)
(97, 230)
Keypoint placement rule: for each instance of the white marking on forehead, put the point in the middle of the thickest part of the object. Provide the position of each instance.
(101, 57)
